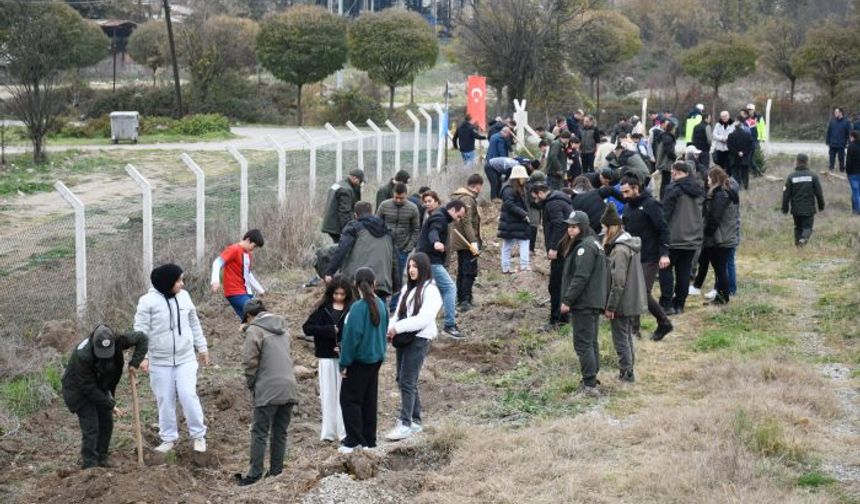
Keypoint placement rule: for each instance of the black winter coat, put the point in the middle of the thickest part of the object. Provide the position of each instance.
(591, 203)
(465, 136)
(326, 329)
(91, 380)
(556, 209)
(700, 137)
(740, 141)
(852, 160)
(435, 229)
(643, 218)
(513, 221)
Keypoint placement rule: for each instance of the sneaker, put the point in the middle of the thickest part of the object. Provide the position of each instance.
(464, 306)
(416, 427)
(801, 242)
(453, 332)
(200, 445)
(346, 450)
(711, 294)
(399, 432)
(164, 447)
(661, 332)
(525, 269)
(692, 291)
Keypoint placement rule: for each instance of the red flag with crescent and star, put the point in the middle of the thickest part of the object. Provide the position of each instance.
(476, 90)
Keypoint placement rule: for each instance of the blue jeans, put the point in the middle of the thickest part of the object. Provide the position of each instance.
(468, 157)
(448, 289)
(409, 362)
(238, 303)
(401, 266)
(730, 266)
(854, 180)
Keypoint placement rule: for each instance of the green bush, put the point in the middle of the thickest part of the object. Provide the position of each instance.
(149, 101)
(28, 394)
(97, 127)
(353, 105)
(152, 125)
(202, 124)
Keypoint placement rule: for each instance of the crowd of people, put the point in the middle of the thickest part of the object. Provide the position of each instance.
(609, 233)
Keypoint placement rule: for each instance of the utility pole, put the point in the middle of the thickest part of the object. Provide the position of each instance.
(339, 78)
(176, 85)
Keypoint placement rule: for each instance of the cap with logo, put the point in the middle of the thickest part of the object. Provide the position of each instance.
(104, 342)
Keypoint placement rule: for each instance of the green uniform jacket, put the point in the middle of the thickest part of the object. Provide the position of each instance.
(626, 279)
(403, 221)
(470, 226)
(339, 206)
(385, 192)
(556, 160)
(583, 282)
(801, 193)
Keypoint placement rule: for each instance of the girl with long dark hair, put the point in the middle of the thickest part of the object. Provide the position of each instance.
(362, 350)
(420, 302)
(721, 228)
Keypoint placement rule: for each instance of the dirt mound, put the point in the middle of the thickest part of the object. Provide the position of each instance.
(61, 335)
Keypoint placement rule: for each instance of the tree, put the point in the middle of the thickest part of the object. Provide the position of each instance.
(392, 46)
(147, 46)
(780, 41)
(827, 56)
(211, 48)
(40, 42)
(719, 61)
(609, 40)
(509, 41)
(302, 45)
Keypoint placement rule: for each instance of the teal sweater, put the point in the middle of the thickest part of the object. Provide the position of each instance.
(360, 340)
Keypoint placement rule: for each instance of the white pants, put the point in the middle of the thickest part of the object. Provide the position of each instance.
(167, 382)
(507, 248)
(332, 419)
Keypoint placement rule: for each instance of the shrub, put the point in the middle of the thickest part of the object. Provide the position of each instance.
(152, 125)
(97, 127)
(149, 101)
(352, 105)
(28, 394)
(202, 124)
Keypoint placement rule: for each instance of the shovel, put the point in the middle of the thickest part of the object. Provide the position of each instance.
(138, 436)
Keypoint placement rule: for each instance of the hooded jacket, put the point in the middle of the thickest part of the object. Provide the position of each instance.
(435, 229)
(513, 220)
(88, 379)
(721, 218)
(583, 282)
(627, 296)
(325, 327)
(366, 242)
(682, 209)
(268, 365)
(591, 203)
(643, 218)
(403, 220)
(172, 326)
(801, 192)
(339, 206)
(556, 208)
(722, 130)
(470, 226)
(632, 162)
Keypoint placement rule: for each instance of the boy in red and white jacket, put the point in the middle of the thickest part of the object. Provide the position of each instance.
(240, 285)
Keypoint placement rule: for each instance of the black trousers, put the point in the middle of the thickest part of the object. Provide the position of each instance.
(467, 271)
(495, 181)
(274, 418)
(803, 227)
(335, 237)
(587, 159)
(834, 154)
(675, 280)
(650, 270)
(741, 173)
(665, 180)
(717, 257)
(533, 230)
(556, 269)
(721, 159)
(96, 430)
(358, 403)
(585, 343)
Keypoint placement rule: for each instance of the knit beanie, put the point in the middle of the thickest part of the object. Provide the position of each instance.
(610, 216)
(164, 277)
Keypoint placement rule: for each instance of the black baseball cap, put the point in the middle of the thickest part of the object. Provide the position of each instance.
(104, 342)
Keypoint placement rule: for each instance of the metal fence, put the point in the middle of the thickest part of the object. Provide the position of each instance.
(91, 262)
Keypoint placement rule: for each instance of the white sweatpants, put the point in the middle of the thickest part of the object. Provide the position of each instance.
(167, 382)
(332, 419)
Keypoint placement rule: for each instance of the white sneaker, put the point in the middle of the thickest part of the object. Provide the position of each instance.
(347, 449)
(399, 432)
(164, 447)
(692, 291)
(711, 295)
(200, 445)
(416, 428)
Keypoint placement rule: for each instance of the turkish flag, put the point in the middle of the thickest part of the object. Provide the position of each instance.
(476, 91)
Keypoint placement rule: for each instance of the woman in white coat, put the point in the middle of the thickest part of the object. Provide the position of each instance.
(168, 317)
(410, 333)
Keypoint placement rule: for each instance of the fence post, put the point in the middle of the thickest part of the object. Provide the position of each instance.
(442, 143)
(429, 139)
(396, 132)
(378, 132)
(644, 117)
(767, 125)
(146, 190)
(80, 248)
(243, 188)
(312, 150)
(359, 143)
(416, 139)
(200, 239)
(338, 163)
(282, 171)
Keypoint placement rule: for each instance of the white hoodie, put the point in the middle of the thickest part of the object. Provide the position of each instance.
(425, 320)
(172, 327)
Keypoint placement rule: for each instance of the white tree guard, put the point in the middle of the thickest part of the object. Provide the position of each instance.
(396, 133)
(243, 188)
(359, 143)
(644, 116)
(200, 198)
(80, 247)
(146, 191)
(416, 139)
(521, 117)
(442, 141)
(338, 160)
(767, 125)
(429, 139)
(378, 132)
(282, 170)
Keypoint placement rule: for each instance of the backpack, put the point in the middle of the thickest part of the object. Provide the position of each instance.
(322, 258)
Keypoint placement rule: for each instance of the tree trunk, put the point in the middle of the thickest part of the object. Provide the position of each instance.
(597, 90)
(154, 81)
(38, 149)
(412, 92)
(715, 100)
(591, 86)
(172, 45)
(793, 82)
(299, 104)
(390, 100)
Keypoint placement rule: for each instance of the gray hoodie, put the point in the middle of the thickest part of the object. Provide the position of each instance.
(268, 365)
(626, 280)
